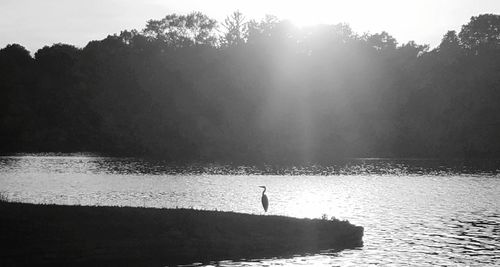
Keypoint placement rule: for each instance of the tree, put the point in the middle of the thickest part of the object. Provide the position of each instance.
(449, 49)
(381, 41)
(235, 29)
(17, 76)
(183, 30)
(271, 92)
(258, 31)
(481, 33)
(450, 41)
(63, 99)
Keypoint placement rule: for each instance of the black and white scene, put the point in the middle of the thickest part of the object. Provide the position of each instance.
(249, 133)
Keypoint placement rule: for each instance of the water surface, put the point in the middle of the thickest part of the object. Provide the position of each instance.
(415, 212)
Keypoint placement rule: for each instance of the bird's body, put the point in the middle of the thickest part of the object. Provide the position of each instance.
(265, 201)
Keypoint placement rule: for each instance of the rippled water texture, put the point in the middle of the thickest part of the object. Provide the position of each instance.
(415, 212)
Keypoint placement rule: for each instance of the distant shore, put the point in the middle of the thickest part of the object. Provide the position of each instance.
(87, 236)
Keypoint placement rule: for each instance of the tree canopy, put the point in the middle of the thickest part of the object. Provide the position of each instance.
(188, 88)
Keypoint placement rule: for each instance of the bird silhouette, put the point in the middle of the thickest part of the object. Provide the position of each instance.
(265, 201)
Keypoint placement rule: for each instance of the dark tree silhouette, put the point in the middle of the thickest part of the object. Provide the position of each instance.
(268, 91)
(183, 30)
(482, 32)
(235, 30)
(16, 98)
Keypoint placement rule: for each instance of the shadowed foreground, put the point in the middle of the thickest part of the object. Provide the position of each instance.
(78, 235)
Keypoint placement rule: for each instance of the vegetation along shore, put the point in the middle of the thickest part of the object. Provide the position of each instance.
(263, 91)
(89, 236)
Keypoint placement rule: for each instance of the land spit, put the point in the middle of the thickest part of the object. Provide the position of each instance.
(34, 234)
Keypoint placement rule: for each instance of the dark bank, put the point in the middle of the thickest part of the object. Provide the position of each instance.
(88, 236)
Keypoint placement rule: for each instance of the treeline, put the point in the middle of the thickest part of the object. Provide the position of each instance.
(189, 88)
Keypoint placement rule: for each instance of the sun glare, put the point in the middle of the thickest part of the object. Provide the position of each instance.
(308, 13)
(361, 16)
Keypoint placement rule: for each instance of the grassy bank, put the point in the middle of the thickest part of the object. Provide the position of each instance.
(78, 235)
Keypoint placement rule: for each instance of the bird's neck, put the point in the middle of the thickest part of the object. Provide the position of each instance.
(264, 190)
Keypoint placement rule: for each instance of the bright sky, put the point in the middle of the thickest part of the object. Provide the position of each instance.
(35, 23)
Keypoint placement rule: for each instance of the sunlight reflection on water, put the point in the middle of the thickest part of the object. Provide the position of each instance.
(414, 212)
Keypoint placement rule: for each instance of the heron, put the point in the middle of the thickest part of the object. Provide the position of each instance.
(265, 202)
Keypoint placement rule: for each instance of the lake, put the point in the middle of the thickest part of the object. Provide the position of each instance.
(415, 212)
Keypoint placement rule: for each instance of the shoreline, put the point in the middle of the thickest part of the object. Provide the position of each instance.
(35, 234)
